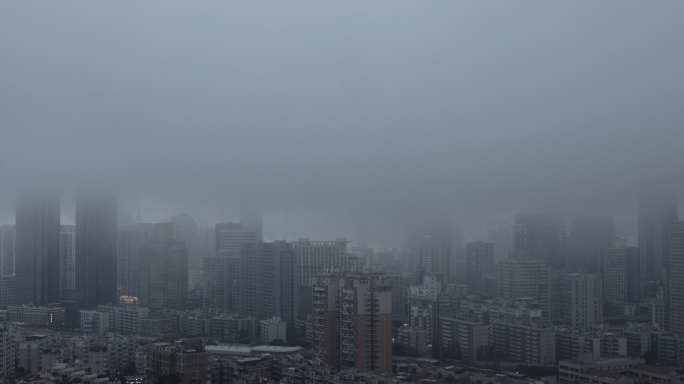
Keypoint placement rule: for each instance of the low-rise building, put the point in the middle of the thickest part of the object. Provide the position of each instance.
(273, 329)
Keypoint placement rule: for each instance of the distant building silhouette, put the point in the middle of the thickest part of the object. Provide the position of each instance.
(163, 270)
(588, 237)
(480, 265)
(37, 248)
(67, 262)
(129, 241)
(7, 249)
(541, 237)
(96, 240)
(657, 210)
(675, 287)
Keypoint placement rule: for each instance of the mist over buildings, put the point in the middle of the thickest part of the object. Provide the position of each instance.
(344, 119)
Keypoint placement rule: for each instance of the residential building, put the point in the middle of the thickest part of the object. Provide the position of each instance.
(67, 262)
(37, 248)
(523, 340)
(184, 357)
(222, 283)
(620, 272)
(96, 242)
(480, 263)
(8, 289)
(541, 237)
(588, 237)
(129, 241)
(582, 299)
(7, 250)
(521, 276)
(95, 321)
(675, 290)
(344, 305)
(185, 229)
(657, 210)
(467, 334)
(435, 255)
(37, 315)
(163, 279)
(273, 329)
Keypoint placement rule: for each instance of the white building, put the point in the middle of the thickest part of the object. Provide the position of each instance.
(430, 288)
(272, 329)
(95, 321)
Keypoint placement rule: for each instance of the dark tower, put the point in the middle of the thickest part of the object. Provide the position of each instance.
(37, 248)
(657, 211)
(588, 237)
(96, 231)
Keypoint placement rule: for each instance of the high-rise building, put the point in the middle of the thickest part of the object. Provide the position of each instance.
(185, 229)
(67, 262)
(37, 248)
(435, 255)
(231, 236)
(541, 237)
(480, 263)
(163, 273)
(523, 277)
(503, 242)
(129, 241)
(318, 257)
(7, 250)
(582, 299)
(352, 321)
(588, 237)
(251, 218)
(268, 280)
(675, 291)
(222, 283)
(620, 272)
(96, 241)
(657, 210)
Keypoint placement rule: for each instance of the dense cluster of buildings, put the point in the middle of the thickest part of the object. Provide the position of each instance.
(536, 293)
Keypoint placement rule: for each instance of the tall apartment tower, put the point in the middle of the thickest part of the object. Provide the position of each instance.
(96, 232)
(435, 255)
(185, 229)
(37, 249)
(7, 250)
(657, 210)
(480, 263)
(163, 274)
(352, 323)
(523, 277)
(541, 237)
(503, 242)
(67, 262)
(620, 272)
(588, 237)
(582, 299)
(251, 218)
(318, 257)
(130, 239)
(222, 283)
(675, 291)
(268, 281)
(231, 236)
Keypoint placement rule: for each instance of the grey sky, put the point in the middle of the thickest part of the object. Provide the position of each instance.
(343, 116)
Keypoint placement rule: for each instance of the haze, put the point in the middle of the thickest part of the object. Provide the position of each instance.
(345, 118)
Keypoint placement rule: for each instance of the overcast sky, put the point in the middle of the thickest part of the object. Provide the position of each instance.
(344, 117)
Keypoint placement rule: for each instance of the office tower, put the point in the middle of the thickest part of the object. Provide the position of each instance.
(37, 249)
(96, 232)
(185, 229)
(657, 210)
(67, 262)
(268, 280)
(222, 283)
(503, 242)
(541, 237)
(620, 272)
(231, 236)
(582, 299)
(7, 250)
(353, 321)
(522, 277)
(675, 291)
(318, 257)
(435, 255)
(251, 218)
(480, 262)
(588, 237)
(163, 273)
(129, 241)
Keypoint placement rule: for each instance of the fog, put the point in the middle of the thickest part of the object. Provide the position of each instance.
(344, 118)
